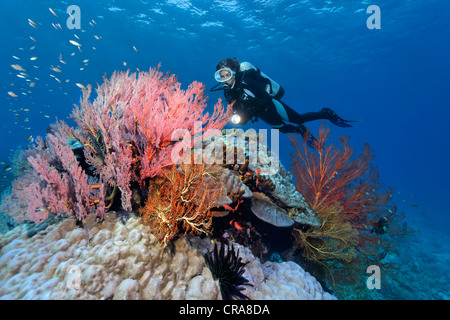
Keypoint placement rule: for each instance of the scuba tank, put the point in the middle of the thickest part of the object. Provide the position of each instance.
(273, 88)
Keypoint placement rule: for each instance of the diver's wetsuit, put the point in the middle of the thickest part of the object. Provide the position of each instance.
(251, 93)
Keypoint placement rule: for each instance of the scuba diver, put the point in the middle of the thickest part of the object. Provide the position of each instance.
(258, 96)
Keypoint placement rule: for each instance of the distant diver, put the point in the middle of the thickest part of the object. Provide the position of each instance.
(258, 96)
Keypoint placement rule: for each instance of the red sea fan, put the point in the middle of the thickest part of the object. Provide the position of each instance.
(126, 136)
(332, 175)
(140, 113)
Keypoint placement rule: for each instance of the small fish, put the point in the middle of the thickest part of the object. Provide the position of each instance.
(26, 110)
(96, 186)
(75, 43)
(94, 21)
(33, 39)
(54, 13)
(135, 49)
(12, 94)
(17, 58)
(96, 37)
(56, 69)
(94, 202)
(415, 205)
(227, 207)
(17, 67)
(238, 226)
(63, 62)
(32, 23)
(79, 85)
(124, 64)
(32, 48)
(21, 76)
(55, 26)
(86, 60)
(29, 137)
(42, 209)
(47, 116)
(7, 168)
(77, 37)
(33, 58)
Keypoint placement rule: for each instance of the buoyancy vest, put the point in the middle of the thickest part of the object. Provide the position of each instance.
(273, 88)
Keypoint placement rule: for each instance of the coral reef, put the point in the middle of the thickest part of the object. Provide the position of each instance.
(143, 146)
(114, 260)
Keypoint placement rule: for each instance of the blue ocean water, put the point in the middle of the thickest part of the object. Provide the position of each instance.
(394, 79)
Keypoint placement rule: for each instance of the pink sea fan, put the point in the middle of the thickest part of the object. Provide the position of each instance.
(64, 188)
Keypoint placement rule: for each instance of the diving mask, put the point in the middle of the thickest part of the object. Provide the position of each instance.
(224, 74)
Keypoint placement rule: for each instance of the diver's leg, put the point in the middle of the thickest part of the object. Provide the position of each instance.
(274, 115)
(276, 122)
(289, 114)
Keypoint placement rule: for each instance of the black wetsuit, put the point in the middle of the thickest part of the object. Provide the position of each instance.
(253, 101)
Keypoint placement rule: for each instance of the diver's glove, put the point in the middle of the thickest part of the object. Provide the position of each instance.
(308, 138)
(335, 119)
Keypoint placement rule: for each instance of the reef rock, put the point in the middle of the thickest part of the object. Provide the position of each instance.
(233, 184)
(267, 211)
(245, 154)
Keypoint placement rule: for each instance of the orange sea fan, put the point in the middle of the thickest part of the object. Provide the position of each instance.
(332, 175)
(181, 199)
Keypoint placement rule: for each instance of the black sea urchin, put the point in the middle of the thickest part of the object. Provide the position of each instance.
(228, 268)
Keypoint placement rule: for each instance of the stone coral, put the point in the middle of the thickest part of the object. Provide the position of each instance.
(114, 260)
